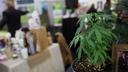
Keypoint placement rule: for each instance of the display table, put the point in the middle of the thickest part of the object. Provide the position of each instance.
(52, 62)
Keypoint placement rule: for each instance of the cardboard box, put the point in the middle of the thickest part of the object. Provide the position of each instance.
(40, 38)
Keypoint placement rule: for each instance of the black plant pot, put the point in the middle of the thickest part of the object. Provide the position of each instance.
(84, 66)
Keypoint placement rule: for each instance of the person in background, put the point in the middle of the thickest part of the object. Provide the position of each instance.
(107, 7)
(11, 18)
(92, 9)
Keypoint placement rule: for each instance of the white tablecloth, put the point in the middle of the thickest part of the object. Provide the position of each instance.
(53, 64)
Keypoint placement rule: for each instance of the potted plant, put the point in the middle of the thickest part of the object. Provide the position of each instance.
(93, 37)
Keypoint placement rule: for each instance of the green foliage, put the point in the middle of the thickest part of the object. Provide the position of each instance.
(122, 5)
(94, 41)
(121, 29)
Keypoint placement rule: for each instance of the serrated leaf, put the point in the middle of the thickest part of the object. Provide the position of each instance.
(76, 40)
(96, 58)
(90, 34)
(98, 35)
(92, 44)
(78, 31)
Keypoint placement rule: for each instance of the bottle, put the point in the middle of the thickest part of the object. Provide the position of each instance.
(31, 45)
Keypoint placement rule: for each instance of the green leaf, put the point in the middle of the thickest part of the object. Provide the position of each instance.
(79, 53)
(104, 53)
(91, 43)
(102, 58)
(89, 18)
(90, 34)
(98, 35)
(86, 52)
(77, 39)
(95, 60)
(72, 42)
(78, 31)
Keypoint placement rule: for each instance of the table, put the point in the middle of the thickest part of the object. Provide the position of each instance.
(54, 63)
